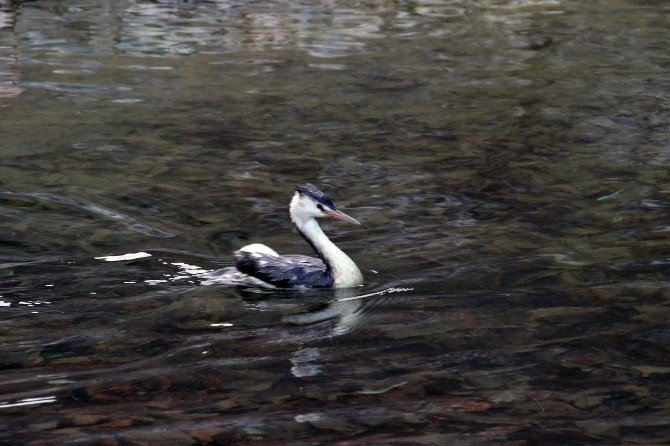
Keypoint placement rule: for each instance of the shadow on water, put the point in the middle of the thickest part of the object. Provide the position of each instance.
(507, 160)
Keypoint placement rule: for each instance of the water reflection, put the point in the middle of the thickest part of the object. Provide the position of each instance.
(178, 28)
(9, 75)
(304, 362)
(507, 161)
(7, 14)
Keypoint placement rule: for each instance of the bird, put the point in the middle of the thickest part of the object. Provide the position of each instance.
(260, 265)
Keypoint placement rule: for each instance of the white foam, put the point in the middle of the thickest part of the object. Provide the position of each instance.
(155, 281)
(193, 270)
(130, 256)
(29, 402)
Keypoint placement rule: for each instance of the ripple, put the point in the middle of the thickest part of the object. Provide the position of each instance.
(128, 101)
(7, 17)
(334, 46)
(439, 11)
(64, 87)
(9, 90)
(303, 363)
(354, 24)
(518, 4)
(9, 79)
(147, 68)
(82, 72)
(93, 208)
(328, 66)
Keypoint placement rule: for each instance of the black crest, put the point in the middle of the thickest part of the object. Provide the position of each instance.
(311, 191)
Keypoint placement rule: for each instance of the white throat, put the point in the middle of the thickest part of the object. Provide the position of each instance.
(345, 272)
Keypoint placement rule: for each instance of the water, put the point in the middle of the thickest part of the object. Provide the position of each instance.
(508, 161)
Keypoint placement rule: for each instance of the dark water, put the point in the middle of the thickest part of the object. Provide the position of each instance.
(508, 160)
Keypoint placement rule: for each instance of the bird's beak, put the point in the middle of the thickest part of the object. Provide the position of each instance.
(337, 215)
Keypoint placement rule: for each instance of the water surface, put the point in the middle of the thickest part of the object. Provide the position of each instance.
(508, 161)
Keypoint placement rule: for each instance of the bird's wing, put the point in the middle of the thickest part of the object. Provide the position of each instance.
(308, 261)
(284, 271)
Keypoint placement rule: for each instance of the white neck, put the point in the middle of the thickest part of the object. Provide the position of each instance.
(345, 272)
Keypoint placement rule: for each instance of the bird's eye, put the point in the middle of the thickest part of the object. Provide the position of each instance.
(320, 207)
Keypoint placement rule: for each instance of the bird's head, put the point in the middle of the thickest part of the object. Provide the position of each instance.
(309, 202)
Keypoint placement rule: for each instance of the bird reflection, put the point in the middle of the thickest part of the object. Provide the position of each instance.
(344, 309)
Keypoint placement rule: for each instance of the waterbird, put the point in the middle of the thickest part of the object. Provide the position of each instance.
(260, 265)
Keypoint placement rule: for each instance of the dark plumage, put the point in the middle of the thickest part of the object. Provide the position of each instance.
(285, 271)
(311, 191)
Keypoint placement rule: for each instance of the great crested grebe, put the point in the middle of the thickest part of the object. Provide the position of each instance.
(260, 265)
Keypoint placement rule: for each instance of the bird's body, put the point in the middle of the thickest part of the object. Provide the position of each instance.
(263, 266)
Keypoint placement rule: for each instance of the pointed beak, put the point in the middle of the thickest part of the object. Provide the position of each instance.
(337, 215)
